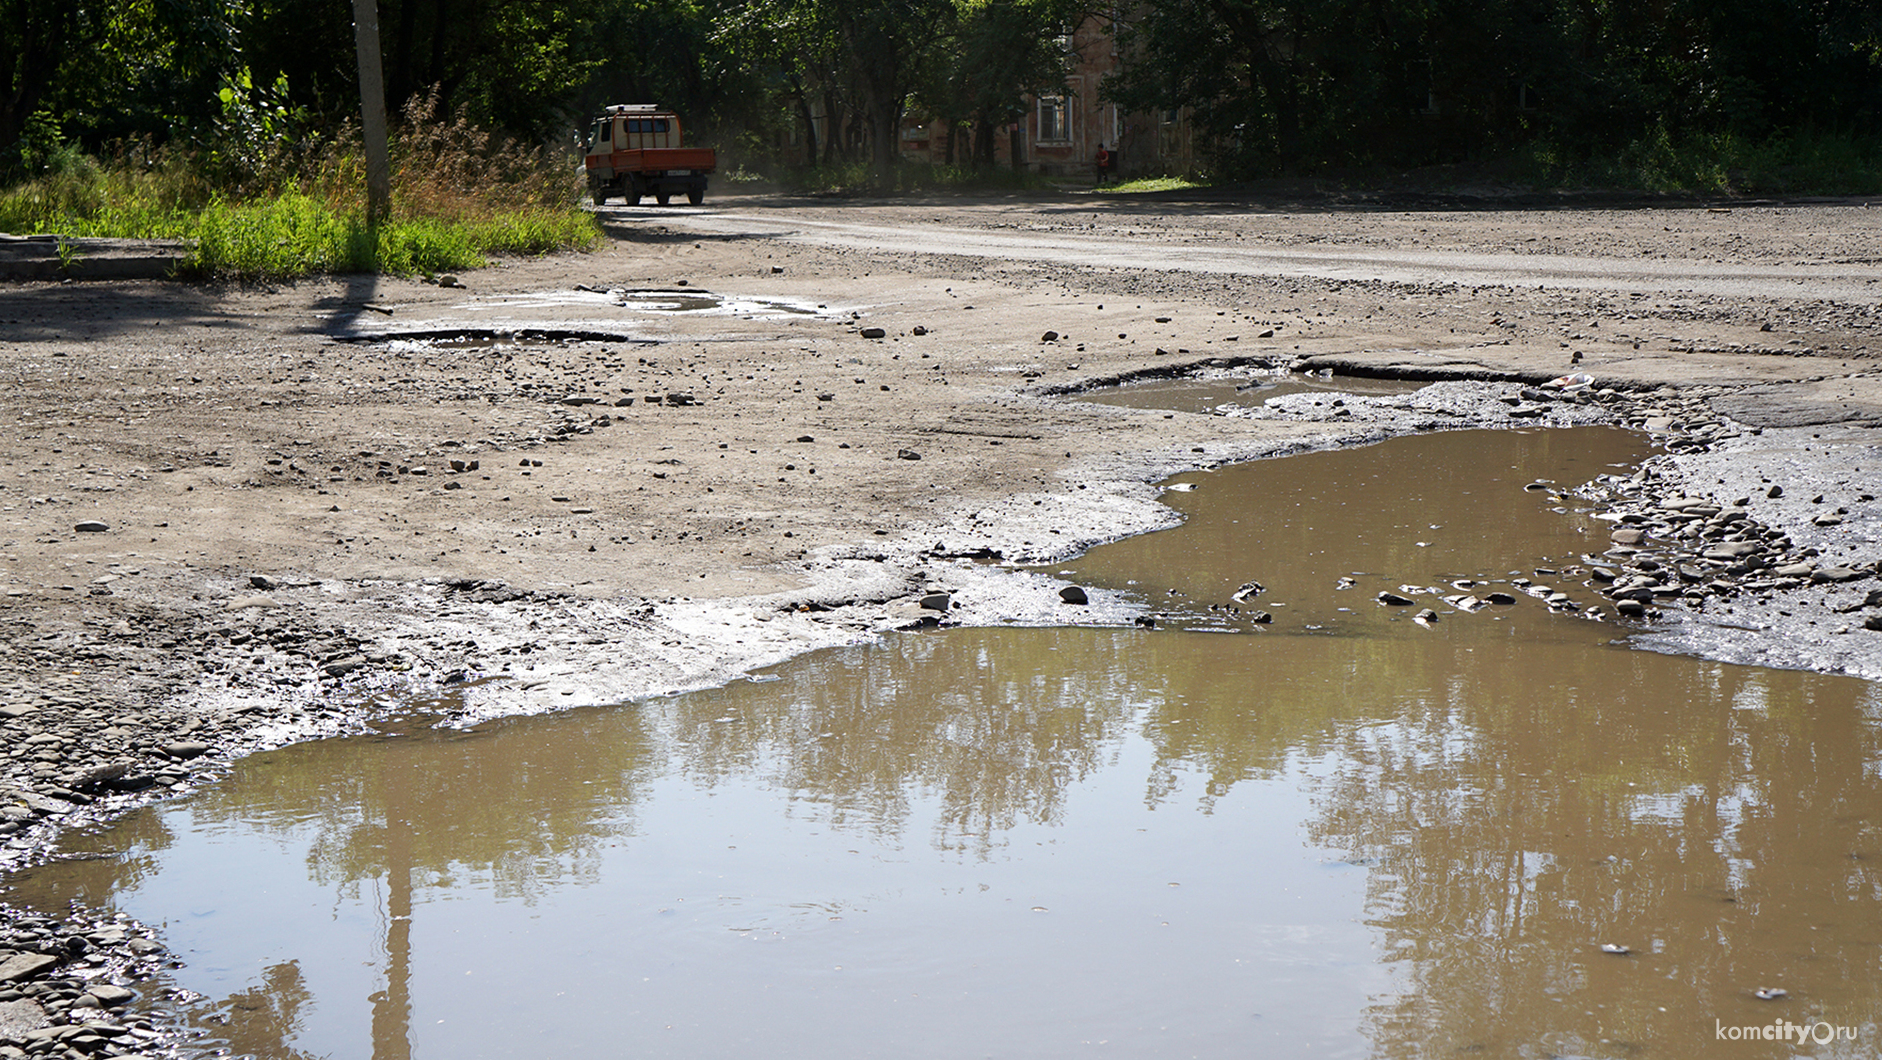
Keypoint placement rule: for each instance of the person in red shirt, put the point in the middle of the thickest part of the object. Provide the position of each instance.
(1104, 163)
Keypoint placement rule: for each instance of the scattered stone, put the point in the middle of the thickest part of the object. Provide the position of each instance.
(1395, 600)
(111, 995)
(873, 333)
(1425, 617)
(92, 526)
(1050, 336)
(1628, 536)
(936, 602)
(186, 749)
(24, 965)
(1260, 618)
(1248, 591)
(1072, 594)
(1499, 599)
(263, 582)
(907, 454)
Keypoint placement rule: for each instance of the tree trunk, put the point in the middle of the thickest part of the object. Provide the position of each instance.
(810, 129)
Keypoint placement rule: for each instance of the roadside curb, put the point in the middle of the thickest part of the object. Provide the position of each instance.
(50, 257)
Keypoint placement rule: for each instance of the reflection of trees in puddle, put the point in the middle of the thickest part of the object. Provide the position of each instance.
(261, 1020)
(1515, 805)
(496, 801)
(1719, 821)
(862, 733)
(415, 811)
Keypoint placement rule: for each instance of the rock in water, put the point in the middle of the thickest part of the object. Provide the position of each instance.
(1395, 600)
(1248, 591)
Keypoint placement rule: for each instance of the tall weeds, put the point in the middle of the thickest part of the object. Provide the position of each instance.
(298, 207)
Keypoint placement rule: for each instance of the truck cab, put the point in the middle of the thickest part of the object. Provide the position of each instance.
(636, 149)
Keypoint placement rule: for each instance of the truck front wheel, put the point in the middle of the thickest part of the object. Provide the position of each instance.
(696, 194)
(599, 194)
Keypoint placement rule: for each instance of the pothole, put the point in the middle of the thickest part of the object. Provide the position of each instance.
(661, 301)
(1206, 394)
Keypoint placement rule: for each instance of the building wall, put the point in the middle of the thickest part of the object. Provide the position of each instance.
(1146, 143)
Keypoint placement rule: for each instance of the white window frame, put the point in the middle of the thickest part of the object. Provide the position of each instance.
(1062, 107)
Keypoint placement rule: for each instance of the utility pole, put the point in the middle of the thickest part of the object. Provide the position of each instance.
(372, 106)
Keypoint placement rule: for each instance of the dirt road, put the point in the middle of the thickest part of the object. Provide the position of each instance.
(1520, 250)
(228, 514)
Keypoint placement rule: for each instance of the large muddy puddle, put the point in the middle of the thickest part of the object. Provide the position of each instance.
(1340, 833)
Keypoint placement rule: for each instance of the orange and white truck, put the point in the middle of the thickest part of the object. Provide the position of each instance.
(634, 150)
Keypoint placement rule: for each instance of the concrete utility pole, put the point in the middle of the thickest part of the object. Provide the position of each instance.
(372, 106)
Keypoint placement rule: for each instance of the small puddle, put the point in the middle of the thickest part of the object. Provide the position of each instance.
(1190, 394)
(664, 300)
(1339, 834)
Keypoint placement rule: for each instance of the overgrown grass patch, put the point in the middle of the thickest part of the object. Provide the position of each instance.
(1146, 184)
(457, 198)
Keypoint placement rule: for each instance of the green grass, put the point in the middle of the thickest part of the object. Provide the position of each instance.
(457, 199)
(1144, 184)
(296, 235)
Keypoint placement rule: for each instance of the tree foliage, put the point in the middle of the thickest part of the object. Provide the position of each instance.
(1271, 85)
(1286, 85)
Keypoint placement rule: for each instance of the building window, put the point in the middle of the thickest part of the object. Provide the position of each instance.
(1054, 119)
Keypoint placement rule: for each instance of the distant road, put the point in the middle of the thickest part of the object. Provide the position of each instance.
(1844, 282)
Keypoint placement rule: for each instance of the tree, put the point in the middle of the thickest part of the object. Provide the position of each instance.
(1000, 52)
(888, 44)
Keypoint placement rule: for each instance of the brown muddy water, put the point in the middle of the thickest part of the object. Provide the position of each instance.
(1341, 833)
